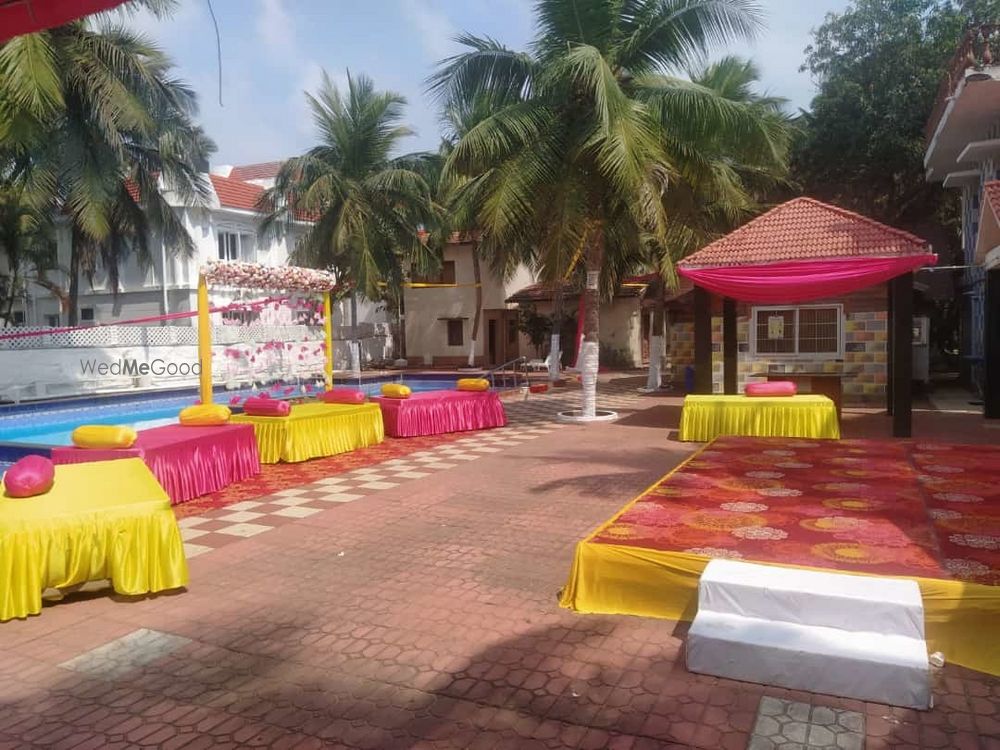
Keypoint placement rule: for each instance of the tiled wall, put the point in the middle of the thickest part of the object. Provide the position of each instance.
(864, 366)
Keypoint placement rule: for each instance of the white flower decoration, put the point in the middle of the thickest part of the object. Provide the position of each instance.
(779, 492)
(760, 532)
(743, 507)
(717, 552)
(942, 515)
(957, 497)
(765, 474)
(976, 541)
(962, 567)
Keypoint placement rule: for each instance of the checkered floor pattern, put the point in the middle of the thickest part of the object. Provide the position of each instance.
(528, 419)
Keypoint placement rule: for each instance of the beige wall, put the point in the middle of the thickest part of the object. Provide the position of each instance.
(426, 309)
(621, 326)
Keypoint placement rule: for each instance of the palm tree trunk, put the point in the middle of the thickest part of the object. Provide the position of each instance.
(74, 278)
(556, 344)
(477, 276)
(355, 344)
(657, 341)
(590, 349)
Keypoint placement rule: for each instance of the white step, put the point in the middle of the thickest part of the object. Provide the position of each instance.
(889, 606)
(890, 669)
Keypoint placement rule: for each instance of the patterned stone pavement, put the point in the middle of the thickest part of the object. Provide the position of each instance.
(421, 615)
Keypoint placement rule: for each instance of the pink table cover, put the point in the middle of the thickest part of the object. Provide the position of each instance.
(187, 461)
(434, 412)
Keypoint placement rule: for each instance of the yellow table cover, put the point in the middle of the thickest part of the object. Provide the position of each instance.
(313, 430)
(106, 519)
(705, 418)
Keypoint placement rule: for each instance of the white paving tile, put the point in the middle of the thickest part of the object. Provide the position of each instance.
(296, 512)
(244, 505)
(291, 501)
(411, 475)
(244, 529)
(290, 493)
(239, 516)
(440, 465)
(331, 480)
(340, 497)
(190, 521)
(193, 550)
(189, 533)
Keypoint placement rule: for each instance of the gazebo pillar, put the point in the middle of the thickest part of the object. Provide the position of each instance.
(702, 340)
(901, 355)
(991, 386)
(730, 347)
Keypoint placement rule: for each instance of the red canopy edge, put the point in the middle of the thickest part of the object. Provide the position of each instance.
(27, 16)
(802, 281)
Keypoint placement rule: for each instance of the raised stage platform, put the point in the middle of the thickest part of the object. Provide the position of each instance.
(927, 511)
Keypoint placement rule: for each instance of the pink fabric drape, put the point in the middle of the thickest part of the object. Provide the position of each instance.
(188, 462)
(435, 412)
(802, 281)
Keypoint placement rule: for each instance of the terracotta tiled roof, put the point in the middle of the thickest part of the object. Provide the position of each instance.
(805, 229)
(546, 292)
(236, 193)
(991, 193)
(267, 170)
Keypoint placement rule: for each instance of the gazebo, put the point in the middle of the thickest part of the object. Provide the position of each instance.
(803, 251)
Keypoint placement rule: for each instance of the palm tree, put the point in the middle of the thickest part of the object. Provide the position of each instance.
(367, 206)
(733, 188)
(93, 126)
(28, 250)
(589, 131)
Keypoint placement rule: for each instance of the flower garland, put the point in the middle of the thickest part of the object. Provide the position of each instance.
(257, 276)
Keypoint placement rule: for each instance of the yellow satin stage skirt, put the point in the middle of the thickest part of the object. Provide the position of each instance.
(101, 520)
(315, 430)
(705, 418)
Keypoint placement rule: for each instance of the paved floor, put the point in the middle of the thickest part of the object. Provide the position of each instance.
(424, 615)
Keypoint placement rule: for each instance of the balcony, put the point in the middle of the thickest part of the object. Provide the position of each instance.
(967, 103)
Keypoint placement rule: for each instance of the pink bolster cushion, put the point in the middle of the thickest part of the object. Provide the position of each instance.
(32, 475)
(773, 388)
(343, 396)
(266, 407)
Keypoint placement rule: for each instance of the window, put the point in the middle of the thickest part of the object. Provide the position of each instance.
(236, 246)
(86, 314)
(18, 317)
(446, 275)
(52, 321)
(455, 327)
(448, 272)
(797, 331)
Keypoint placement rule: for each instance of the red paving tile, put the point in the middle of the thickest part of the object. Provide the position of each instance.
(423, 616)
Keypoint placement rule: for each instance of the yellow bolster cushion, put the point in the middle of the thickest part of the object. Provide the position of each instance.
(473, 384)
(204, 415)
(103, 436)
(396, 390)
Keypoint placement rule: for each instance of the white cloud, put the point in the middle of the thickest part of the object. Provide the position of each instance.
(433, 28)
(276, 31)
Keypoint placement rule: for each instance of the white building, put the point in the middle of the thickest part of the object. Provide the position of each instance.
(225, 229)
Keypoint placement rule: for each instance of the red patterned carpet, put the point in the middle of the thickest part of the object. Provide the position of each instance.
(274, 477)
(888, 508)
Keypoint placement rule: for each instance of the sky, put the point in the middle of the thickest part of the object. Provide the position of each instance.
(273, 51)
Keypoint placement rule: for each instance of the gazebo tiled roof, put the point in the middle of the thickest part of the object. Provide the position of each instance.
(806, 229)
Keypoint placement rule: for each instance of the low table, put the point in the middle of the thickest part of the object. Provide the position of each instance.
(187, 461)
(314, 430)
(820, 383)
(436, 412)
(706, 417)
(101, 520)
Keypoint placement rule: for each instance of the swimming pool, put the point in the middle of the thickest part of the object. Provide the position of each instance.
(50, 423)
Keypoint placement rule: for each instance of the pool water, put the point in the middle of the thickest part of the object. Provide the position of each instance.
(52, 424)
